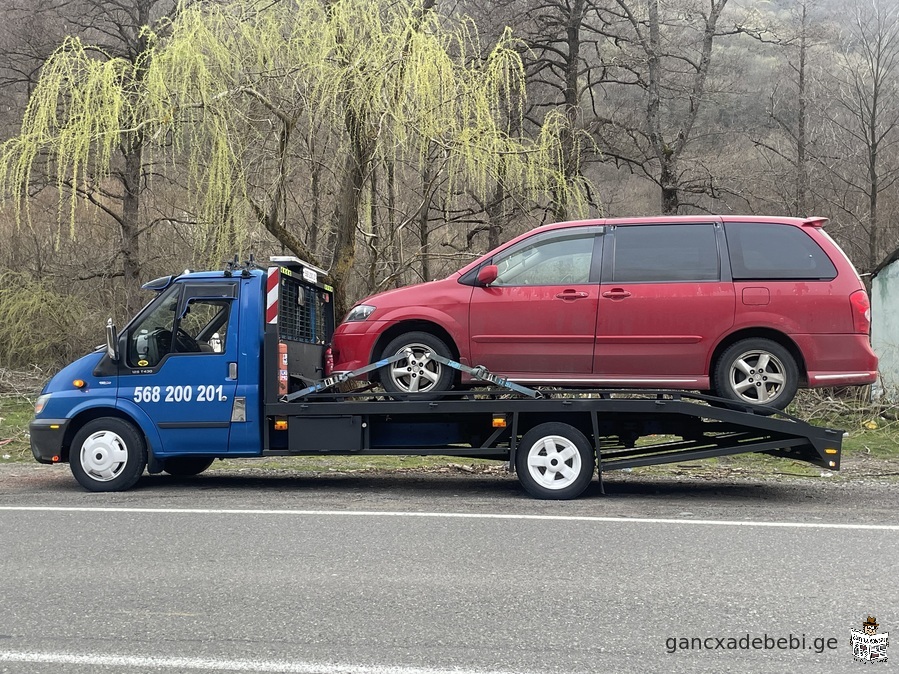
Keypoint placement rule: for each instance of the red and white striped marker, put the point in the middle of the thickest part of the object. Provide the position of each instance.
(271, 295)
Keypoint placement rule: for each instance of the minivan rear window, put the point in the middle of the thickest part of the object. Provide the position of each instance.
(763, 251)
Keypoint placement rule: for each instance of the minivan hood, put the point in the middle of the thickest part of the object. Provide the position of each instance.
(392, 298)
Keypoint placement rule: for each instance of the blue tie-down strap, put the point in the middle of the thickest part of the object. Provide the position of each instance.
(479, 372)
(328, 382)
(482, 373)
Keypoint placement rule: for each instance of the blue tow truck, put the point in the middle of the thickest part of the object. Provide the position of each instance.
(231, 363)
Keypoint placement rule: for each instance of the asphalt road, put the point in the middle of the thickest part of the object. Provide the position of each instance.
(418, 574)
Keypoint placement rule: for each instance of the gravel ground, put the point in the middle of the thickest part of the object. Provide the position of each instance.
(867, 490)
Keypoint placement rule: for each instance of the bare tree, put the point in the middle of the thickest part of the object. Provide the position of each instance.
(796, 39)
(664, 53)
(865, 117)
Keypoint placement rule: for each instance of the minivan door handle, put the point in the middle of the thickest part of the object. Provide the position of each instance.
(616, 293)
(572, 295)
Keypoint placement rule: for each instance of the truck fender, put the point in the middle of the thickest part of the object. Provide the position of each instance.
(148, 428)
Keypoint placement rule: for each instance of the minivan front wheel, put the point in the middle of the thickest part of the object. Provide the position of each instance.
(417, 372)
(757, 372)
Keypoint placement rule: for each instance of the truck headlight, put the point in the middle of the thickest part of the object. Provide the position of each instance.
(359, 313)
(41, 403)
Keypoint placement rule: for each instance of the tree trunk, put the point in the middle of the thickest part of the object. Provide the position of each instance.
(571, 152)
(423, 230)
(802, 121)
(374, 256)
(130, 224)
(348, 204)
(316, 188)
(873, 194)
(494, 216)
(669, 181)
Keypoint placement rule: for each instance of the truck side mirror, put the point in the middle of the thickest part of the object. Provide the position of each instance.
(487, 275)
(111, 341)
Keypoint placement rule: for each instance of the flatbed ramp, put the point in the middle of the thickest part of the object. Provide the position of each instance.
(555, 442)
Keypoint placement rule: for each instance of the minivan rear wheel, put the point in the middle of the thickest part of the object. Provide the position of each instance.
(757, 371)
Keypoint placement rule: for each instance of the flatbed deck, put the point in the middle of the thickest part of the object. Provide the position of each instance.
(624, 428)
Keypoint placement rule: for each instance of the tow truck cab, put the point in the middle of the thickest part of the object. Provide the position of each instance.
(188, 370)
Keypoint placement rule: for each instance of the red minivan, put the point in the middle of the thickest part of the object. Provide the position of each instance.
(749, 308)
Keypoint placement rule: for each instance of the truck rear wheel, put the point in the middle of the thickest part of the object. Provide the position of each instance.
(186, 466)
(555, 461)
(108, 454)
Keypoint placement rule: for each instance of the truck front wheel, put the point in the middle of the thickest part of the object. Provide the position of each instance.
(108, 454)
(555, 461)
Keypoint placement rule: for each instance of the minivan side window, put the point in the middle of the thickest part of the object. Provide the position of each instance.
(548, 260)
(762, 251)
(660, 253)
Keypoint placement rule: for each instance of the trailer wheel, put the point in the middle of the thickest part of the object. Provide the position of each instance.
(108, 454)
(555, 461)
(417, 373)
(186, 466)
(757, 372)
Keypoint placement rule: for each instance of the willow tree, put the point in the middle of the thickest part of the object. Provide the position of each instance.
(229, 88)
(82, 90)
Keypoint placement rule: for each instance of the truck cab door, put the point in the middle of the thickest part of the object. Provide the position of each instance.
(180, 366)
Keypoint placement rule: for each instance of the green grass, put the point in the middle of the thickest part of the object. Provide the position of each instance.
(15, 413)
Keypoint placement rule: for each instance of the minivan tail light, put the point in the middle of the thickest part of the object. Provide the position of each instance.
(861, 311)
(329, 362)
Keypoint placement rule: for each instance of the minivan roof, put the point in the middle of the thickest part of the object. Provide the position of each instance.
(813, 221)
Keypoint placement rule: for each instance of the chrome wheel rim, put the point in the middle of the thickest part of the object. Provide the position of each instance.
(103, 456)
(417, 372)
(554, 462)
(757, 377)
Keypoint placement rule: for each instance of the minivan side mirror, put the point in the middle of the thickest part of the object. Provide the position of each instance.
(487, 275)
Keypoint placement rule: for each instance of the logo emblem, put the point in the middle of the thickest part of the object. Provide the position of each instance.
(867, 645)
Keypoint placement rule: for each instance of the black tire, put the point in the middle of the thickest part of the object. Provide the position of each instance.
(108, 454)
(426, 378)
(756, 372)
(186, 466)
(546, 465)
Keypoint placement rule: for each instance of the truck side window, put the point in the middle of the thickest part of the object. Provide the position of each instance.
(204, 326)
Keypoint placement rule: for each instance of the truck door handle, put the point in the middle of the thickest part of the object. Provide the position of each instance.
(572, 295)
(616, 293)
(232, 370)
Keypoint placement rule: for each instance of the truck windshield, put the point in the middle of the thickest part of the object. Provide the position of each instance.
(150, 337)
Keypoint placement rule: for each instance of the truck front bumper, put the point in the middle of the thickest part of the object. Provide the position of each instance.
(46, 439)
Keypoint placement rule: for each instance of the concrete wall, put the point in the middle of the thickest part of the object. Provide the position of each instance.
(885, 329)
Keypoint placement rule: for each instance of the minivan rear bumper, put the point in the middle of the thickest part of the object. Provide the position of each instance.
(838, 359)
(841, 378)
